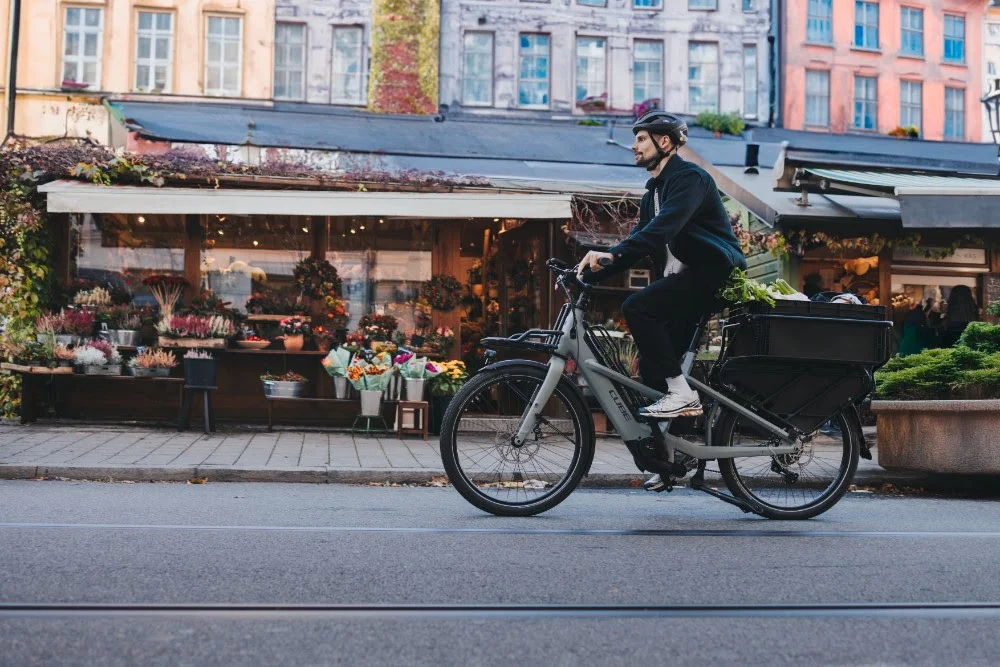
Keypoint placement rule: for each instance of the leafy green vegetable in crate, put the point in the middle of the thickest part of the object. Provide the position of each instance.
(740, 289)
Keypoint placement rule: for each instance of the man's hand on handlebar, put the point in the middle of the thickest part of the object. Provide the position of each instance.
(595, 261)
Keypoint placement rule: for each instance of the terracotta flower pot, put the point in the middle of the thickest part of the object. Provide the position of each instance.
(294, 343)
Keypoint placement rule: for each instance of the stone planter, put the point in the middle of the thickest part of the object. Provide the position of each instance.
(107, 369)
(150, 372)
(939, 436)
(197, 343)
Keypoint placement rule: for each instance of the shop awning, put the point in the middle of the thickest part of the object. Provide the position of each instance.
(79, 197)
(925, 200)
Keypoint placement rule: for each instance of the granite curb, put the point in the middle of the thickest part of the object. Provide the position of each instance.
(324, 475)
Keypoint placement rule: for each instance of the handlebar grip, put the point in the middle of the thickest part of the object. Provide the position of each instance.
(605, 261)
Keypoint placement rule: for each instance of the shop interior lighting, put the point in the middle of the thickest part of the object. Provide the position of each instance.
(141, 219)
(362, 227)
(255, 244)
(305, 229)
(221, 232)
(354, 232)
(381, 221)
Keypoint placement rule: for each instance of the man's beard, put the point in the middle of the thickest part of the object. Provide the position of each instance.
(650, 163)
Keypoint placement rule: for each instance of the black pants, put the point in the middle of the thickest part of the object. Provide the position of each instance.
(663, 316)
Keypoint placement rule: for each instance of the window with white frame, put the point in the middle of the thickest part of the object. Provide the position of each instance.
(647, 70)
(819, 22)
(702, 4)
(289, 61)
(703, 77)
(154, 48)
(911, 95)
(82, 45)
(954, 38)
(647, 4)
(911, 39)
(954, 113)
(866, 24)
(224, 60)
(865, 102)
(477, 70)
(533, 70)
(591, 67)
(347, 84)
(817, 98)
(750, 80)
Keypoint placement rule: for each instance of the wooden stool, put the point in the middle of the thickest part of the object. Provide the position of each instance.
(206, 392)
(418, 407)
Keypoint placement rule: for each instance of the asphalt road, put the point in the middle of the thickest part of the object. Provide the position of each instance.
(296, 574)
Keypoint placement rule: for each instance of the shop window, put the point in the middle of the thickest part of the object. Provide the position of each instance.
(382, 264)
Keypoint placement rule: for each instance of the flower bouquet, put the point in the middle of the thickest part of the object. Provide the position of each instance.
(288, 385)
(336, 311)
(195, 331)
(152, 363)
(443, 388)
(336, 363)
(378, 327)
(46, 327)
(416, 371)
(370, 379)
(98, 357)
(93, 298)
(72, 326)
(166, 290)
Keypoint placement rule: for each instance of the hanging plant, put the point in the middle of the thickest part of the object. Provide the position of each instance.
(442, 292)
(316, 277)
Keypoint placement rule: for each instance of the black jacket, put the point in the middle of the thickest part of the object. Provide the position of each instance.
(692, 220)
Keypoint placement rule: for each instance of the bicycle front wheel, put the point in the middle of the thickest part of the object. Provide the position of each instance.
(790, 486)
(484, 464)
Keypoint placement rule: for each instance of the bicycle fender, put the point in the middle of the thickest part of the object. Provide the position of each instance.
(854, 416)
(567, 385)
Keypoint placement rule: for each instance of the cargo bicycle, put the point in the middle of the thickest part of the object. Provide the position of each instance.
(519, 437)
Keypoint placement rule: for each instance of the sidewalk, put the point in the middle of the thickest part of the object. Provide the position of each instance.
(123, 453)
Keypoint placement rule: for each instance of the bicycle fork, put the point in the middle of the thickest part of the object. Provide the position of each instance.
(541, 396)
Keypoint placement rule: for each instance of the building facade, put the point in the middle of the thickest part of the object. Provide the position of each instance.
(991, 55)
(867, 66)
(512, 55)
(74, 53)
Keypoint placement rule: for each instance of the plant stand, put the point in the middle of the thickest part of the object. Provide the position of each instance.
(368, 430)
(185, 415)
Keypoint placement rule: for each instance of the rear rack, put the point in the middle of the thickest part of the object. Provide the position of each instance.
(549, 340)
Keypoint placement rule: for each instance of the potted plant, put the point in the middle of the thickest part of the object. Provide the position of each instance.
(152, 363)
(416, 371)
(97, 357)
(63, 355)
(166, 290)
(443, 388)
(336, 311)
(195, 331)
(476, 278)
(324, 338)
(370, 380)
(200, 369)
(46, 327)
(939, 410)
(98, 297)
(74, 327)
(378, 328)
(440, 340)
(336, 363)
(288, 385)
(294, 330)
(122, 324)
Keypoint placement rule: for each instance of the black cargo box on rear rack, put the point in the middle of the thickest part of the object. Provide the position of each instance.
(803, 360)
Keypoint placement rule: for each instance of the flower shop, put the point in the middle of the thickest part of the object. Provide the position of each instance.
(290, 297)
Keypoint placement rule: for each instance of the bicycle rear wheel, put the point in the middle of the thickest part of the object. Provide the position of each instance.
(497, 476)
(791, 486)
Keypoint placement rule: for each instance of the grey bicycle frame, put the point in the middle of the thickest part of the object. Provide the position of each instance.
(601, 381)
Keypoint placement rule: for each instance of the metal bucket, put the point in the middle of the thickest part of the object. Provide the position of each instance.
(124, 337)
(340, 387)
(283, 389)
(415, 389)
(371, 403)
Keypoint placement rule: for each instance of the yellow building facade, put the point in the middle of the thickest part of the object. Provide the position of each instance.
(72, 54)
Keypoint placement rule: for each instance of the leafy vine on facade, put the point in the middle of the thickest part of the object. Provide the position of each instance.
(404, 61)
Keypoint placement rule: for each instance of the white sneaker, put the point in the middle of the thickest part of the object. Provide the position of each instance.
(674, 405)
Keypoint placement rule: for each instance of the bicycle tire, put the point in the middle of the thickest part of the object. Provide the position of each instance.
(469, 490)
(737, 485)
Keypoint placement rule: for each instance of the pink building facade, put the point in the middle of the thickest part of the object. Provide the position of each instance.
(874, 66)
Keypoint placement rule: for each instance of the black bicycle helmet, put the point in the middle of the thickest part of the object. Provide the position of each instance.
(661, 122)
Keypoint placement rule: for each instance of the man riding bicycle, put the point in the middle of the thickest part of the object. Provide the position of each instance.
(684, 229)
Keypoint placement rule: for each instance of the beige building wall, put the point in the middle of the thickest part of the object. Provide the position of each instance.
(46, 108)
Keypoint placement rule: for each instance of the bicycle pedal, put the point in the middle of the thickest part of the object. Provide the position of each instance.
(658, 485)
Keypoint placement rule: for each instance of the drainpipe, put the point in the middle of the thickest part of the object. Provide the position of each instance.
(15, 33)
(775, 61)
